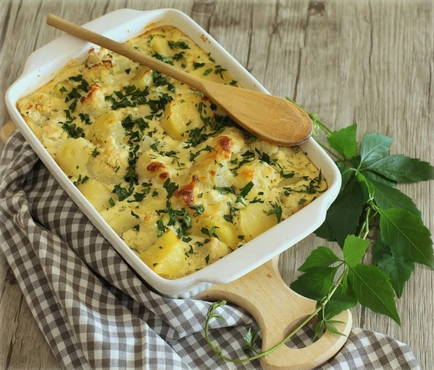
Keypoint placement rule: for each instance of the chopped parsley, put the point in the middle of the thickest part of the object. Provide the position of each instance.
(247, 157)
(72, 129)
(256, 200)
(130, 96)
(198, 65)
(95, 152)
(246, 189)
(197, 136)
(81, 180)
(286, 175)
(162, 58)
(207, 71)
(264, 157)
(311, 188)
(200, 244)
(170, 187)
(122, 192)
(76, 78)
(225, 189)
(178, 56)
(85, 118)
(161, 227)
(275, 210)
(198, 209)
(178, 218)
(210, 232)
(302, 201)
(232, 213)
(178, 45)
(159, 104)
(140, 195)
(159, 80)
(193, 156)
(218, 70)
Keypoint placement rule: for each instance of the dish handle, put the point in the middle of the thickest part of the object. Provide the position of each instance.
(278, 309)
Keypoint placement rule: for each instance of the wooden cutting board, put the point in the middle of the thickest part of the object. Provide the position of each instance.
(276, 308)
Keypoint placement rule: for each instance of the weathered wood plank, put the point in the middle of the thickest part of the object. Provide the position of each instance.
(349, 61)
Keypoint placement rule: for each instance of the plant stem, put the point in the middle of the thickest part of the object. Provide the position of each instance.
(364, 231)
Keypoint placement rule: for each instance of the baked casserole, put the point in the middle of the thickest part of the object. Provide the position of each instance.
(175, 177)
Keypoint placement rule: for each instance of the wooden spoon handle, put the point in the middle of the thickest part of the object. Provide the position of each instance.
(123, 49)
(277, 308)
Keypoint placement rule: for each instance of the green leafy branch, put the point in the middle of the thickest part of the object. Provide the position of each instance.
(369, 213)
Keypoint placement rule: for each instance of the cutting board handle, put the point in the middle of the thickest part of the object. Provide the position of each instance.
(277, 309)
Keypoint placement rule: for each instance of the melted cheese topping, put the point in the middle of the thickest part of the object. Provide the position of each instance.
(167, 169)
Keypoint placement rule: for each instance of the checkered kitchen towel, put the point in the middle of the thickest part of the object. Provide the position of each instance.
(95, 312)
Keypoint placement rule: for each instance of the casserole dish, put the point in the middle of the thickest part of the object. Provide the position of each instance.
(122, 25)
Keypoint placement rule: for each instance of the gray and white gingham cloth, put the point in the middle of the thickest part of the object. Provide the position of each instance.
(95, 312)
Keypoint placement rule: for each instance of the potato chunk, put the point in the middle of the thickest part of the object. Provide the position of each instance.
(159, 45)
(166, 256)
(224, 230)
(96, 193)
(73, 156)
(254, 220)
(143, 78)
(121, 217)
(141, 239)
(181, 115)
(107, 127)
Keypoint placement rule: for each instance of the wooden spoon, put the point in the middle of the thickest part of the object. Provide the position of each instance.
(271, 118)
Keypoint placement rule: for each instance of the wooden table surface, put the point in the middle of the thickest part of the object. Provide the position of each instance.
(369, 62)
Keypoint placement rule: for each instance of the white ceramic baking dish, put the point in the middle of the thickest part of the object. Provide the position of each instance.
(122, 25)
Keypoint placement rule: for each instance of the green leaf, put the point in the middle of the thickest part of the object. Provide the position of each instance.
(400, 168)
(373, 290)
(344, 141)
(346, 173)
(354, 249)
(315, 283)
(387, 197)
(396, 267)
(318, 329)
(320, 257)
(342, 299)
(374, 147)
(250, 341)
(325, 231)
(344, 214)
(378, 178)
(330, 326)
(405, 233)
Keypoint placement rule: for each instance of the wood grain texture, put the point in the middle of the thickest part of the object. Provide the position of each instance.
(363, 61)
